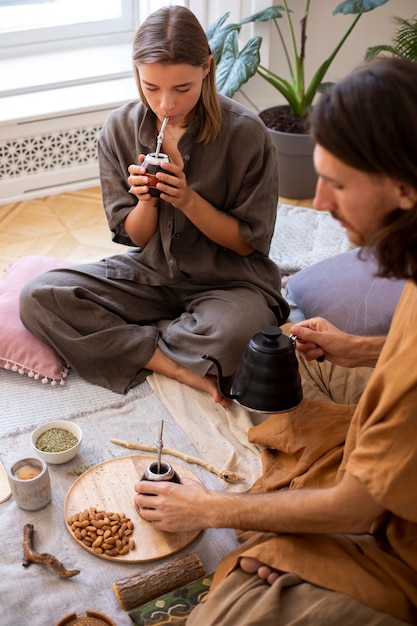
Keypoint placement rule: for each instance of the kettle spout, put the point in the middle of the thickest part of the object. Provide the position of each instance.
(220, 381)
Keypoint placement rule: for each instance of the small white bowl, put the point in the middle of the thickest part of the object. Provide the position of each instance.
(57, 457)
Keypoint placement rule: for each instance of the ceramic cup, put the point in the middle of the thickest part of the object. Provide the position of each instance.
(30, 483)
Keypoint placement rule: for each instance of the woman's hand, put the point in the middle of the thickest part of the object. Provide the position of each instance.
(142, 221)
(139, 181)
(173, 185)
(173, 507)
(316, 337)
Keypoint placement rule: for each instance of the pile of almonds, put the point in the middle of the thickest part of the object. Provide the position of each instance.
(105, 533)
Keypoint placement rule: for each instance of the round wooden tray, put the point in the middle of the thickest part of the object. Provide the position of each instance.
(109, 486)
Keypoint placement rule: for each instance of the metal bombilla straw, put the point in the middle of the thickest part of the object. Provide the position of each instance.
(164, 471)
(159, 446)
(161, 137)
(160, 470)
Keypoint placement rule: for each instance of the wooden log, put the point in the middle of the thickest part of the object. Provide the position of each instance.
(140, 588)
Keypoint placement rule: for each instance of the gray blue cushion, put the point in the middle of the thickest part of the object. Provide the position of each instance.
(345, 290)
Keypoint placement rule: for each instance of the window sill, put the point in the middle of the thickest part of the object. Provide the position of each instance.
(47, 132)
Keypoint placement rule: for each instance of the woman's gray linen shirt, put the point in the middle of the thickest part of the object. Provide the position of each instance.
(237, 174)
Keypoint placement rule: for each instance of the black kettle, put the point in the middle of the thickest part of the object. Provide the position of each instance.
(267, 379)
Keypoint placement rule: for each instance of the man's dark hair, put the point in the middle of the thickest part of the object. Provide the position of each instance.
(369, 121)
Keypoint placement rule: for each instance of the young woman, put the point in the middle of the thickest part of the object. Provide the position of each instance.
(196, 278)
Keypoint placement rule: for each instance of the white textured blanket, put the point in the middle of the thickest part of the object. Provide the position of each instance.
(304, 236)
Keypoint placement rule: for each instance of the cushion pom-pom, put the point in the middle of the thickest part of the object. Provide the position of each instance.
(33, 373)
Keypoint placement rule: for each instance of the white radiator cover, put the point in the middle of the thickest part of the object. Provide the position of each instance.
(35, 163)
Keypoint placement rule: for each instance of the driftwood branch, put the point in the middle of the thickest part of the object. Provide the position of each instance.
(30, 556)
(229, 477)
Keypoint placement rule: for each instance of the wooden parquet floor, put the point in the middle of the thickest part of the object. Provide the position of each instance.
(69, 226)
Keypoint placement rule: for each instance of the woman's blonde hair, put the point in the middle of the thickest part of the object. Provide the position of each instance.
(174, 35)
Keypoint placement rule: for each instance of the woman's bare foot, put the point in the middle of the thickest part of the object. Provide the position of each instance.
(209, 384)
(252, 566)
(164, 365)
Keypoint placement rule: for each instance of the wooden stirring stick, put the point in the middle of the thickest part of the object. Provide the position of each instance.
(229, 477)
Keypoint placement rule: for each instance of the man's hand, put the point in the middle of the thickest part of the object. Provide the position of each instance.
(174, 507)
(316, 337)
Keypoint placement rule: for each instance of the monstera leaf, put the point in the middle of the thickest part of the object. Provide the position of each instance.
(265, 15)
(237, 66)
(216, 35)
(234, 67)
(351, 7)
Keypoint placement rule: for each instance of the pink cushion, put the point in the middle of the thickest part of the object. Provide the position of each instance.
(20, 351)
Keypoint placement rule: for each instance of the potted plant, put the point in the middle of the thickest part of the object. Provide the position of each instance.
(287, 123)
(404, 43)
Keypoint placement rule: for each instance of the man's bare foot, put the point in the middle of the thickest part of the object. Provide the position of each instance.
(164, 365)
(252, 566)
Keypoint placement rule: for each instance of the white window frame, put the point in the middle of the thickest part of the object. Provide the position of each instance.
(53, 66)
(57, 63)
(30, 41)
